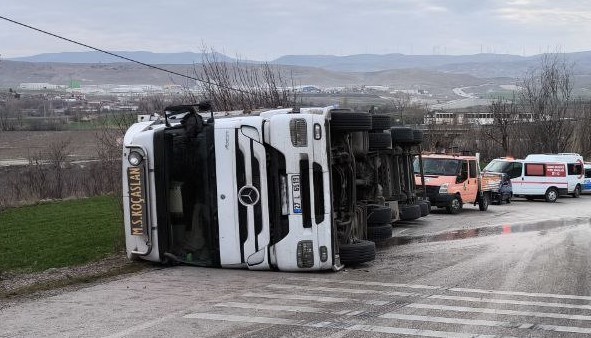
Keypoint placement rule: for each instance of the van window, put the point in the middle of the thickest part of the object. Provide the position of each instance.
(575, 169)
(587, 173)
(515, 170)
(534, 169)
(472, 169)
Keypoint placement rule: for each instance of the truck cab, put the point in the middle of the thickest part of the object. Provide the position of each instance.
(254, 191)
(453, 180)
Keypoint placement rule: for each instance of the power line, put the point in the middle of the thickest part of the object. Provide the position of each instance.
(121, 56)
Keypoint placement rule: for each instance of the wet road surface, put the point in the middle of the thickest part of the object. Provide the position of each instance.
(534, 282)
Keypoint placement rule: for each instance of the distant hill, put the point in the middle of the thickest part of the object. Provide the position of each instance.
(478, 65)
(185, 58)
(12, 73)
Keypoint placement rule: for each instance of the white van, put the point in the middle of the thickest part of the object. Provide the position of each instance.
(574, 163)
(533, 179)
(587, 179)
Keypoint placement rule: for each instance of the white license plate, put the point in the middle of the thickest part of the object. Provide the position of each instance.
(296, 196)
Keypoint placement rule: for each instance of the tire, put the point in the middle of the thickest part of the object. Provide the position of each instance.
(379, 233)
(410, 212)
(380, 141)
(418, 136)
(360, 251)
(378, 214)
(455, 205)
(380, 122)
(577, 192)
(425, 208)
(551, 195)
(402, 135)
(484, 201)
(345, 120)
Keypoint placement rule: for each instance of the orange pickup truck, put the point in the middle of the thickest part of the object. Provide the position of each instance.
(452, 180)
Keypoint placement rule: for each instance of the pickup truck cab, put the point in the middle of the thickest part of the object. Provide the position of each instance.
(453, 180)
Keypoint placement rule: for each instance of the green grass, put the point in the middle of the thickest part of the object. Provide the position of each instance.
(57, 234)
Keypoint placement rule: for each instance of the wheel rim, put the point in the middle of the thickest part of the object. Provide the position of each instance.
(552, 195)
(455, 204)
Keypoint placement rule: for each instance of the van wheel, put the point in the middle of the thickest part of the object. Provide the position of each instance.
(577, 191)
(551, 195)
(357, 252)
(483, 202)
(455, 205)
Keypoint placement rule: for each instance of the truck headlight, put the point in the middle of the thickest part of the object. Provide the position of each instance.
(443, 188)
(135, 158)
(317, 131)
(298, 128)
(305, 254)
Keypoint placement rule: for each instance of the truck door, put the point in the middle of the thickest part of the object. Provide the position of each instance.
(471, 184)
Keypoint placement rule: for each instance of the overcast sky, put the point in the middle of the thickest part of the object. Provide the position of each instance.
(267, 29)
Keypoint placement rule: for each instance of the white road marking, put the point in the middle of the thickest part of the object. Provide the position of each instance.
(322, 299)
(493, 323)
(354, 282)
(335, 325)
(511, 301)
(442, 288)
(145, 325)
(461, 321)
(525, 294)
(243, 319)
(498, 311)
(343, 290)
(288, 308)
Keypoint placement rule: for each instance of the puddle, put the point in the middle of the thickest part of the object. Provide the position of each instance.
(541, 226)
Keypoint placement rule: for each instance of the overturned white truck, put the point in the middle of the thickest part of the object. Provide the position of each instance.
(271, 190)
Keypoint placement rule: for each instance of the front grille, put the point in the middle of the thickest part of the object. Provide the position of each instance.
(432, 190)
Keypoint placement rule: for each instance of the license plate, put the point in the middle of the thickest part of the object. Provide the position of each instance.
(296, 194)
(137, 200)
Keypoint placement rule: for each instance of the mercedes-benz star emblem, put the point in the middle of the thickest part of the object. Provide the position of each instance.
(248, 195)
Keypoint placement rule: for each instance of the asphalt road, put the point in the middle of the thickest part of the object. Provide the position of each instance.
(519, 270)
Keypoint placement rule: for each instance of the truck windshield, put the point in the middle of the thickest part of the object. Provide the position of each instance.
(438, 166)
(498, 166)
(191, 202)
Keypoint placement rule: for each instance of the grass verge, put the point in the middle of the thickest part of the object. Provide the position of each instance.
(57, 234)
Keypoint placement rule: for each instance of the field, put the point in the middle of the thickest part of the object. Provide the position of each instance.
(22, 144)
(57, 234)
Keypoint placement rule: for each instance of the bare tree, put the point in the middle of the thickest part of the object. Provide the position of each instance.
(546, 95)
(504, 113)
(243, 86)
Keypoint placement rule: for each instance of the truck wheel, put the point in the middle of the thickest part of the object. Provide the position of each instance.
(379, 141)
(378, 214)
(455, 205)
(483, 202)
(357, 252)
(380, 122)
(350, 121)
(402, 135)
(577, 192)
(410, 212)
(551, 195)
(425, 208)
(379, 233)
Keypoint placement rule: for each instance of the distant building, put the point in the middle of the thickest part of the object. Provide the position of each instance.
(40, 86)
(474, 115)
